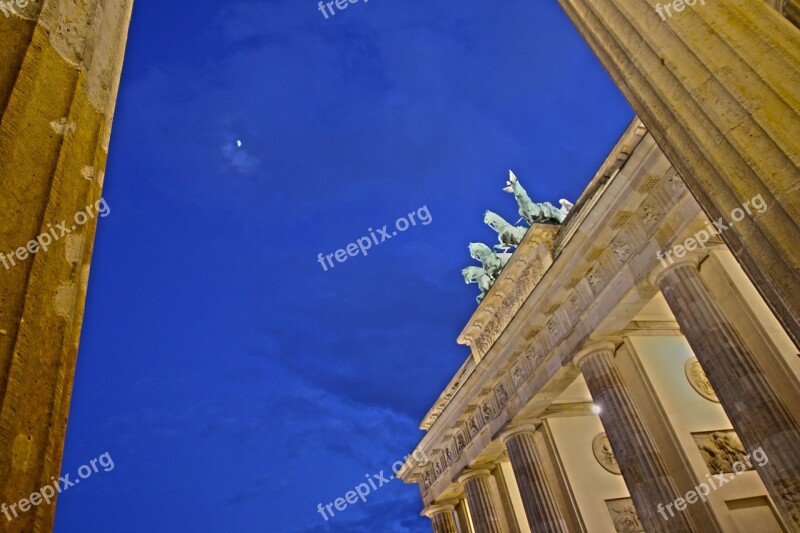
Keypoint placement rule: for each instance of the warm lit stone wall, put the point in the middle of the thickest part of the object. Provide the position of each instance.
(60, 64)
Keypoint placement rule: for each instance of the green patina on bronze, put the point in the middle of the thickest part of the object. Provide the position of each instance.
(509, 235)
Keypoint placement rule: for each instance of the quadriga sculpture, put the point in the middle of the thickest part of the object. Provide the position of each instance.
(508, 234)
(534, 212)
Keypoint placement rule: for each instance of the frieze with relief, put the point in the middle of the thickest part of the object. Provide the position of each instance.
(650, 214)
(517, 375)
(595, 278)
(676, 183)
(474, 426)
(502, 395)
(622, 250)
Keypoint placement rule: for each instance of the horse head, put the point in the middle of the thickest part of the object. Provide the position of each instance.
(479, 251)
(472, 274)
(495, 221)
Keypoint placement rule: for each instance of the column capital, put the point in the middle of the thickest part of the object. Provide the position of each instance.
(593, 348)
(655, 276)
(438, 508)
(528, 426)
(483, 499)
(472, 474)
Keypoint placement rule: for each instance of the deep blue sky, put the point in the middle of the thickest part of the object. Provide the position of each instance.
(234, 382)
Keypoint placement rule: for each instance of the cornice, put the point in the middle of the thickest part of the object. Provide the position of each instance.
(618, 157)
(449, 393)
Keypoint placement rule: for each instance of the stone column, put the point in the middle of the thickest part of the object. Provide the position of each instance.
(642, 467)
(60, 63)
(462, 516)
(755, 410)
(788, 8)
(442, 518)
(791, 10)
(484, 503)
(730, 140)
(537, 497)
(509, 512)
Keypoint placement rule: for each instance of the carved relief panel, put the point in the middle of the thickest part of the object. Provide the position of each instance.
(601, 448)
(624, 516)
(722, 451)
(698, 380)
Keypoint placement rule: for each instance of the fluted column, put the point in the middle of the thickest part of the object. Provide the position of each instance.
(507, 506)
(791, 10)
(540, 504)
(442, 518)
(682, 72)
(60, 63)
(757, 413)
(484, 503)
(788, 8)
(462, 517)
(640, 462)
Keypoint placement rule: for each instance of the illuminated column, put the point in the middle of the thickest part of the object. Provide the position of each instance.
(462, 516)
(60, 64)
(788, 8)
(755, 410)
(484, 501)
(443, 518)
(643, 469)
(540, 504)
(716, 83)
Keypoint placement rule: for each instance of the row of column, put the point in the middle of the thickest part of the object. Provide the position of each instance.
(756, 411)
(483, 495)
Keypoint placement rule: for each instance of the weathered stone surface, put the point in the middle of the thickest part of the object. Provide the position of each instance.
(717, 86)
(755, 410)
(484, 503)
(540, 504)
(442, 517)
(788, 8)
(59, 69)
(636, 453)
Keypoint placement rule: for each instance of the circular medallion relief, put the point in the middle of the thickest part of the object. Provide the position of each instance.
(698, 380)
(604, 454)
